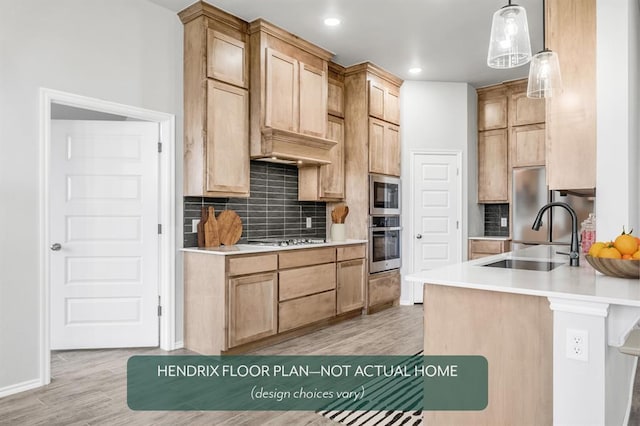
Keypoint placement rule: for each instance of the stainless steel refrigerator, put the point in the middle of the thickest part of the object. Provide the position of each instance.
(530, 193)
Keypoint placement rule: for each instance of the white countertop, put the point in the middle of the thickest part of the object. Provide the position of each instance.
(575, 283)
(491, 238)
(253, 248)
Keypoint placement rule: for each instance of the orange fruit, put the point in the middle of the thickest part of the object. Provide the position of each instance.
(609, 253)
(626, 243)
(636, 255)
(626, 256)
(595, 248)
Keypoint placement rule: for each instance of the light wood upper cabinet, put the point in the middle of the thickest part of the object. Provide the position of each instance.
(216, 108)
(227, 143)
(524, 110)
(350, 282)
(313, 100)
(253, 307)
(492, 108)
(227, 59)
(384, 148)
(281, 91)
(571, 115)
(384, 101)
(493, 166)
(528, 145)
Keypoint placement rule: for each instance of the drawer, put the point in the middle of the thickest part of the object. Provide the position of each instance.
(252, 264)
(308, 280)
(350, 252)
(384, 287)
(306, 310)
(486, 246)
(295, 258)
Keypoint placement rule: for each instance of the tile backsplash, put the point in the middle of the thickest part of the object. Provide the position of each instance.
(272, 210)
(492, 215)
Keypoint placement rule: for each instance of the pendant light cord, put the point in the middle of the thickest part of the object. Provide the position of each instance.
(544, 26)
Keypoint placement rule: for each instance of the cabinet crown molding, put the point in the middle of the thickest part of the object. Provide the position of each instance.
(261, 25)
(201, 8)
(375, 70)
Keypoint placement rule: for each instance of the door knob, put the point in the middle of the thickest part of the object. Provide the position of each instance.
(55, 246)
(419, 236)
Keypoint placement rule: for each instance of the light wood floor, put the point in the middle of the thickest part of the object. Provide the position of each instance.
(89, 387)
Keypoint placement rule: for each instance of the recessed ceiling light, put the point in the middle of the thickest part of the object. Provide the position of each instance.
(331, 22)
(415, 70)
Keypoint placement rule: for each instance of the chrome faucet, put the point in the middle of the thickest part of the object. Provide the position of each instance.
(574, 254)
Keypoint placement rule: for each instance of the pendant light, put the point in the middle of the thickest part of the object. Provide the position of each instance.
(545, 80)
(509, 46)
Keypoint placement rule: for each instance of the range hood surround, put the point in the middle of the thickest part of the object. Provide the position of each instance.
(305, 150)
(289, 89)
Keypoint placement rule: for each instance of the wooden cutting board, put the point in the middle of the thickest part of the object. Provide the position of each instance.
(229, 227)
(211, 237)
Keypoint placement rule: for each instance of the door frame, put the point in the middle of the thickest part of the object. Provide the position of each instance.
(166, 212)
(461, 201)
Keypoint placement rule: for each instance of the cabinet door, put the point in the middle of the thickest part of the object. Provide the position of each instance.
(493, 166)
(226, 59)
(392, 150)
(376, 100)
(253, 307)
(335, 98)
(392, 105)
(524, 110)
(384, 287)
(332, 175)
(313, 101)
(227, 144)
(384, 148)
(281, 97)
(350, 281)
(527, 145)
(492, 113)
(376, 146)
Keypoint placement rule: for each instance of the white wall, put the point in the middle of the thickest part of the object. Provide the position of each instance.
(438, 116)
(123, 51)
(618, 110)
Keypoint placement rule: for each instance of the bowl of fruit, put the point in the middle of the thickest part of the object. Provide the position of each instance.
(619, 258)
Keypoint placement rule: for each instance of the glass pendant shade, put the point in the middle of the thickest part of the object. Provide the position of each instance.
(509, 46)
(544, 75)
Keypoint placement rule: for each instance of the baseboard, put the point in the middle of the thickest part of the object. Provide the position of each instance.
(178, 345)
(20, 387)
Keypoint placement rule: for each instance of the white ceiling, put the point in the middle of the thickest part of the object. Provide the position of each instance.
(448, 39)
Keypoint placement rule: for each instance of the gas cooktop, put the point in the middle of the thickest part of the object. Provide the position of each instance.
(282, 242)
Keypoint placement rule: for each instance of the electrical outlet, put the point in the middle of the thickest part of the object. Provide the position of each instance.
(194, 225)
(578, 344)
(309, 222)
(503, 222)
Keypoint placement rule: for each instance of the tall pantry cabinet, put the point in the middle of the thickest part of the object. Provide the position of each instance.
(216, 110)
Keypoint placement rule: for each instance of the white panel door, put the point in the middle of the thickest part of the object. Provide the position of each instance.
(104, 217)
(437, 218)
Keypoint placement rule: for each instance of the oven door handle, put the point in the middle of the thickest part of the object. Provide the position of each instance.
(381, 228)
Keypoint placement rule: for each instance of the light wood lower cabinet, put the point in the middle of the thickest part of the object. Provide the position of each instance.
(253, 307)
(235, 302)
(484, 248)
(384, 288)
(350, 282)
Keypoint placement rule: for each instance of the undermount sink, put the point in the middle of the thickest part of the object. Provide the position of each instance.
(530, 265)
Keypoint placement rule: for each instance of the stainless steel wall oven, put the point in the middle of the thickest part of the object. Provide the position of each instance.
(384, 243)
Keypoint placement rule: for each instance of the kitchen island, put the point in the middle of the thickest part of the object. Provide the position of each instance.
(551, 337)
